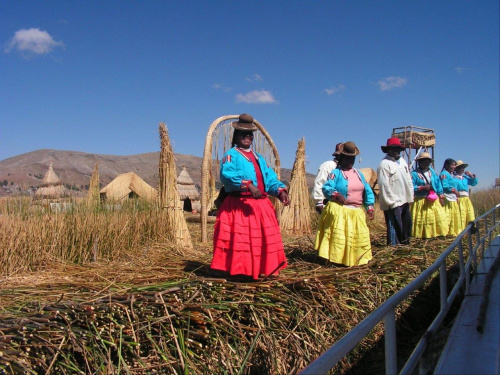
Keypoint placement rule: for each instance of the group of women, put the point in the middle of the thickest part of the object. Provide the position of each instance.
(442, 205)
(247, 239)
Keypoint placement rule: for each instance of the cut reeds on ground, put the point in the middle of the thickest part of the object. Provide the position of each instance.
(168, 313)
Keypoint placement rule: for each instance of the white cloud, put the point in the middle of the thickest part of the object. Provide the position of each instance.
(33, 41)
(255, 78)
(390, 83)
(220, 86)
(460, 69)
(256, 97)
(335, 90)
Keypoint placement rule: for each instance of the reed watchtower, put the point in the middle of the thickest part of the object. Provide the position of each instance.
(415, 140)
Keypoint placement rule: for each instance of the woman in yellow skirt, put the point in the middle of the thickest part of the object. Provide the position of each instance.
(466, 180)
(428, 216)
(451, 196)
(343, 236)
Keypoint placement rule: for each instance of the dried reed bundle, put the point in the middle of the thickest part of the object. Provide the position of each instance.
(168, 195)
(93, 198)
(296, 218)
(175, 317)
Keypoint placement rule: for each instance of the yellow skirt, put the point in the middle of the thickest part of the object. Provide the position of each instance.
(466, 211)
(454, 220)
(429, 219)
(343, 236)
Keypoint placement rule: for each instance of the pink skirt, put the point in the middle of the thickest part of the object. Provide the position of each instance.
(247, 238)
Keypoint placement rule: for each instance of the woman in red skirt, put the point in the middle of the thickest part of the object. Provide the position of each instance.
(247, 238)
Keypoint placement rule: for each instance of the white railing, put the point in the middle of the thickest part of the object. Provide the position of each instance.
(386, 311)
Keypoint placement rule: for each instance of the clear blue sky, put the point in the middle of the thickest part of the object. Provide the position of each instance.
(98, 76)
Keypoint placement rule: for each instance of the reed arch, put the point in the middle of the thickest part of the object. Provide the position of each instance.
(217, 142)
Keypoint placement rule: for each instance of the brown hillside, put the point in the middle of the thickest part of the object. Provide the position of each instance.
(75, 168)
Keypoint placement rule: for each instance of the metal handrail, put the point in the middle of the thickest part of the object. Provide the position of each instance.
(386, 312)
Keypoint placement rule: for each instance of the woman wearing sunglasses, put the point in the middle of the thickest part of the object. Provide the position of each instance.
(247, 238)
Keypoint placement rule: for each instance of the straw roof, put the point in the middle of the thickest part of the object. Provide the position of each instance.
(186, 186)
(50, 177)
(51, 186)
(127, 183)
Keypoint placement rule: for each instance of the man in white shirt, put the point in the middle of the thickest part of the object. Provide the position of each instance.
(395, 193)
(323, 172)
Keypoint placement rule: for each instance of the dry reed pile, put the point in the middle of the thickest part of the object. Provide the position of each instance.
(140, 305)
(174, 316)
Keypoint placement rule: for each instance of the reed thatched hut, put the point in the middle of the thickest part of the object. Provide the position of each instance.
(188, 193)
(128, 185)
(51, 187)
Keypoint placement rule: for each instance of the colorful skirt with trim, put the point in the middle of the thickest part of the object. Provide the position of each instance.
(343, 236)
(466, 211)
(453, 214)
(247, 238)
(429, 219)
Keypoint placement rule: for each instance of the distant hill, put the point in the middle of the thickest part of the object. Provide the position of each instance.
(75, 168)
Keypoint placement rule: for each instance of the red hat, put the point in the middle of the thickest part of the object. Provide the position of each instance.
(392, 142)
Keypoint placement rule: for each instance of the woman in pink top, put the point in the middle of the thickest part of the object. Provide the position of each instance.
(343, 236)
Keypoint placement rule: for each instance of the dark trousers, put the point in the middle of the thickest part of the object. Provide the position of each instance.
(398, 223)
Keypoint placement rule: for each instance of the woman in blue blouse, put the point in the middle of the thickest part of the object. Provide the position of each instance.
(466, 180)
(450, 189)
(428, 216)
(247, 238)
(343, 236)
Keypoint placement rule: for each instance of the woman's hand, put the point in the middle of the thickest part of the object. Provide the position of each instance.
(339, 198)
(424, 187)
(256, 193)
(455, 191)
(283, 197)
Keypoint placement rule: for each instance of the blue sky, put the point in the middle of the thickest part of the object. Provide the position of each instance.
(98, 76)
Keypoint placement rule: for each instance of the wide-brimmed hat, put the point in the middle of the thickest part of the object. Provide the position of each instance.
(393, 142)
(245, 123)
(336, 152)
(460, 163)
(424, 155)
(348, 148)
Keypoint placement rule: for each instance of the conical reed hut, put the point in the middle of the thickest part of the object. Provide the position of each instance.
(128, 185)
(93, 197)
(168, 195)
(188, 193)
(296, 218)
(51, 187)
